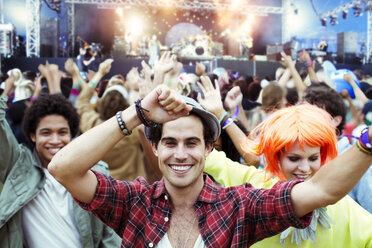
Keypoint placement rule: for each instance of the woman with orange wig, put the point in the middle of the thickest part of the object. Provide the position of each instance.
(295, 142)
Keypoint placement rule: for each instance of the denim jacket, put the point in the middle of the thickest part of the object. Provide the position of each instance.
(22, 178)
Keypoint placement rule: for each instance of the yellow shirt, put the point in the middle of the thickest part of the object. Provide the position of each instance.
(352, 224)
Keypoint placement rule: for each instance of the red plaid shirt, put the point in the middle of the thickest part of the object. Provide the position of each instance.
(228, 217)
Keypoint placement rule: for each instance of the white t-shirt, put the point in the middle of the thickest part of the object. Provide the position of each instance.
(48, 220)
(164, 242)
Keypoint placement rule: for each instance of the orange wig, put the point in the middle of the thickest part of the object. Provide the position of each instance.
(306, 123)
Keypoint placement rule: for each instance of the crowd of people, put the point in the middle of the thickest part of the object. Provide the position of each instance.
(163, 158)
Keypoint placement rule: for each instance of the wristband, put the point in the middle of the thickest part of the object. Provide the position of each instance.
(309, 63)
(122, 125)
(223, 117)
(92, 84)
(228, 122)
(224, 120)
(236, 113)
(363, 143)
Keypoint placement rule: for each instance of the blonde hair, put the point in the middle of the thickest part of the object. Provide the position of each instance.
(305, 123)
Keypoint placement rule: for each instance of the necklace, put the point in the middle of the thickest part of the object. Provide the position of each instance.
(192, 227)
(190, 231)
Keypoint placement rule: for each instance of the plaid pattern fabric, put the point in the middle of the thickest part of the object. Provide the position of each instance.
(228, 217)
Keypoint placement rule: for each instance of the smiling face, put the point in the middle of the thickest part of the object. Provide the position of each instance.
(300, 164)
(181, 153)
(51, 135)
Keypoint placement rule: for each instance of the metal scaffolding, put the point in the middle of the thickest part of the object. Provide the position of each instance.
(71, 28)
(369, 33)
(33, 28)
(368, 9)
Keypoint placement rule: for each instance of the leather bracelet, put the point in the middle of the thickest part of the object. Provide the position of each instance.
(122, 125)
(142, 116)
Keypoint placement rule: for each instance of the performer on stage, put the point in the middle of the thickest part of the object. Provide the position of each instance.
(246, 43)
(323, 46)
(154, 49)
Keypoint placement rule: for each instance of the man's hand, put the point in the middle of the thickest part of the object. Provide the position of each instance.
(165, 63)
(233, 98)
(145, 86)
(212, 98)
(164, 105)
(348, 77)
(9, 84)
(304, 56)
(53, 76)
(287, 60)
(199, 69)
(105, 66)
(72, 68)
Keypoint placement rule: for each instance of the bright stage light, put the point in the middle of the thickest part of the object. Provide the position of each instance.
(235, 4)
(135, 25)
(119, 11)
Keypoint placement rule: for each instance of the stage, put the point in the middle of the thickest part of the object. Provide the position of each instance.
(122, 65)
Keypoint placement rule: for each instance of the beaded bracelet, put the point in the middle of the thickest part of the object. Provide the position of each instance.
(122, 125)
(142, 116)
(364, 143)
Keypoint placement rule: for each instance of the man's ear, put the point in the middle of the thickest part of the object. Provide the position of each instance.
(208, 149)
(33, 137)
(154, 148)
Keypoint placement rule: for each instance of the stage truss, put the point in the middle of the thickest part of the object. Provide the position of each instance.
(368, 10)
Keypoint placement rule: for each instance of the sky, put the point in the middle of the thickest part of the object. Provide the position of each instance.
(306, 25)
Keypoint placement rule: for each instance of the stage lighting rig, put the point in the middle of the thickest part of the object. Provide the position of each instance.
(344, 13)
(333, 19)
(54, 5)
(323, 21)
(358, 10)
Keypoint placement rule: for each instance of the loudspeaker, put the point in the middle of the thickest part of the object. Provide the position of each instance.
(347, 43)
(49, 37)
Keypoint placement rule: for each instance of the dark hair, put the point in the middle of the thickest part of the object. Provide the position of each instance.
(228, 145)
(156, 132)
(292, 96)
(111, 104)
(66, 86)
(243, 86)
(30, 75)
(254, 90)
(330, 100)
(50, 105)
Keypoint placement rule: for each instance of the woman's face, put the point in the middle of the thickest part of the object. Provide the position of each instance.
(298, 164)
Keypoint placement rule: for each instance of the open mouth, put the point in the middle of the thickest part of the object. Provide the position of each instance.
(180, 169)
(302, 177)
(53, 150)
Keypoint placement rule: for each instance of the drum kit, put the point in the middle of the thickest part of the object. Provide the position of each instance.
(193, 46)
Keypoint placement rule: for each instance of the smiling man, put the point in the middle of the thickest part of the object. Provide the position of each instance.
(185, 209)
(35, 210)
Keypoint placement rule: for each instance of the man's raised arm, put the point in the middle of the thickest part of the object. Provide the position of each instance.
(333, 181)
(71, 165)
